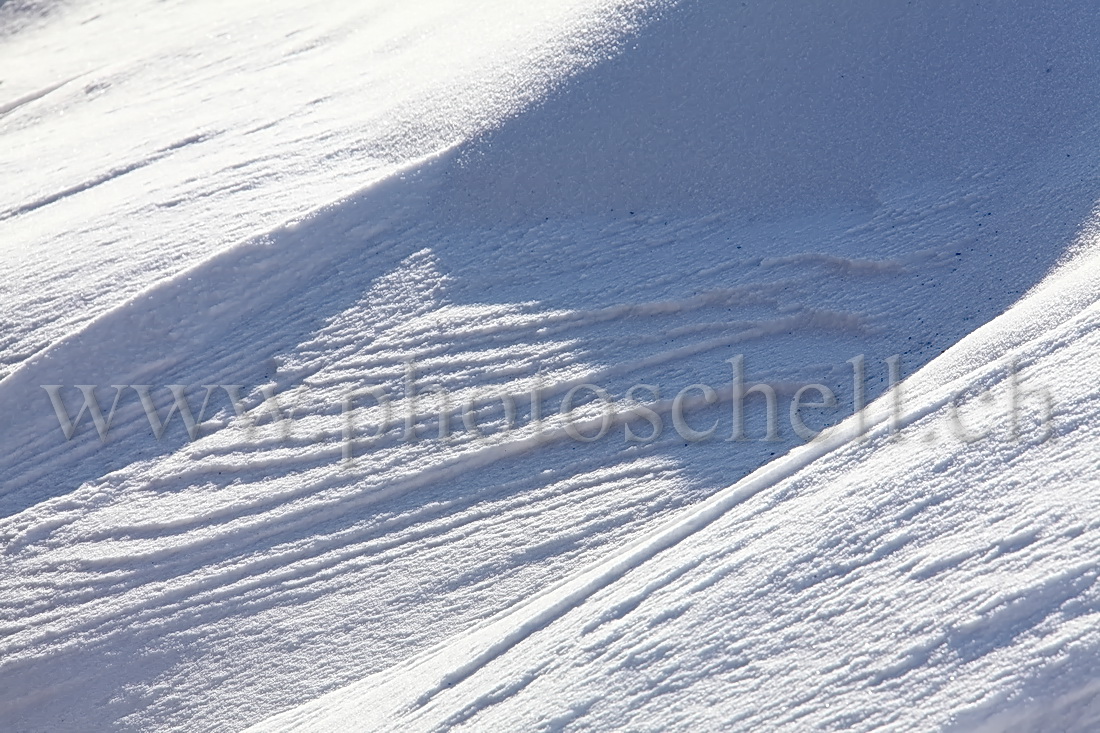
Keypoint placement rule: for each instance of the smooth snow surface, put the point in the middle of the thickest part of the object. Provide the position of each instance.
(500, 199)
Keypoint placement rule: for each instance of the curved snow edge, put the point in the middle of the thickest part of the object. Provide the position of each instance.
(381, 698)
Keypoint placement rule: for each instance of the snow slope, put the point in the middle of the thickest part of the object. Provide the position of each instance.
(543, 196)
(885, 576)
(140, 138)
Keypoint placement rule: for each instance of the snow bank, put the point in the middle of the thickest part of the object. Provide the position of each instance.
(883, 576)
(542, 197)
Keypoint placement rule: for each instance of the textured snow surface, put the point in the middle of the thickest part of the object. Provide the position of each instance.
(499, 199)
(869, 574)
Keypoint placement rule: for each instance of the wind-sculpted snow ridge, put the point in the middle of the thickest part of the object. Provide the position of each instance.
(135, 544)
(878, 577)
(141, 139)
(631, 212)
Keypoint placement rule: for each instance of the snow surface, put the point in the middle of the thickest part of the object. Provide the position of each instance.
(497, 198)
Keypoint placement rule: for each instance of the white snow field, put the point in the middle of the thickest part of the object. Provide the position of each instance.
(321, 230)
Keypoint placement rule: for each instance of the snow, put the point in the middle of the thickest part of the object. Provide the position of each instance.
(381, 213)
(869, 571)
(227, 119)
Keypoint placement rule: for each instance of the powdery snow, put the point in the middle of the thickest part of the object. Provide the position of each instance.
(318, 211)
(885, 576)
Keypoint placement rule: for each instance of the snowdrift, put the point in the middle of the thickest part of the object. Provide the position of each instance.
(655, 190)
(877, 578)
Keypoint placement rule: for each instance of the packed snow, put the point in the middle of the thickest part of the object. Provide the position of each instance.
(391, 366)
